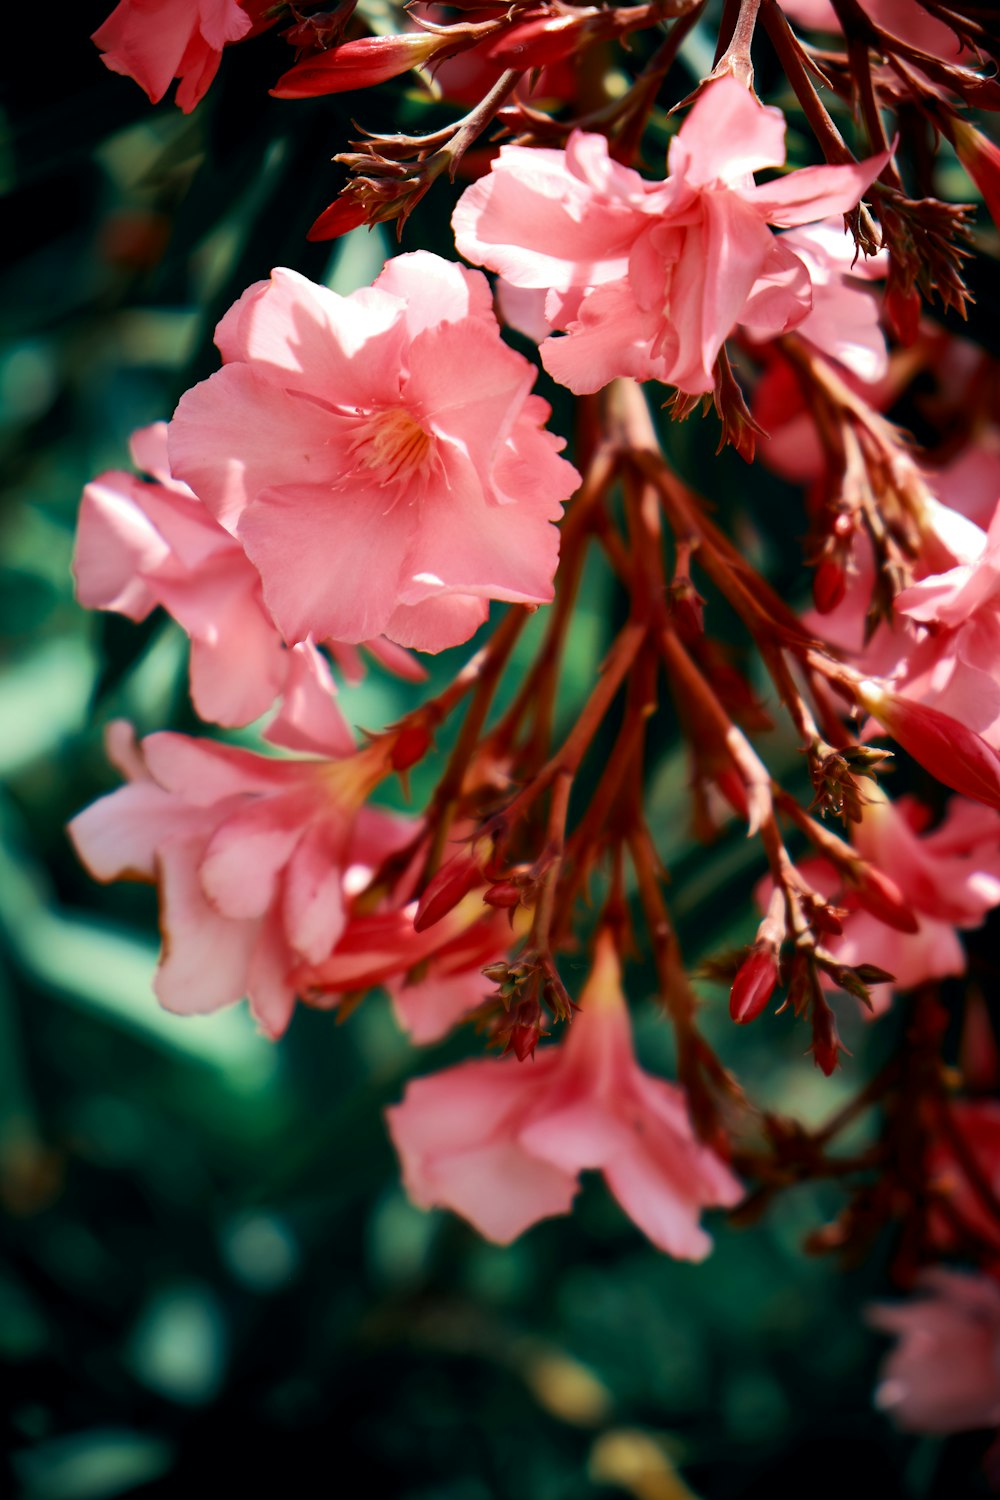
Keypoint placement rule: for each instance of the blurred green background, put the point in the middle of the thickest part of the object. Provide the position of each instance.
(207, 1258)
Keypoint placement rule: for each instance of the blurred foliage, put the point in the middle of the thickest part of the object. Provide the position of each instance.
(207, 1255)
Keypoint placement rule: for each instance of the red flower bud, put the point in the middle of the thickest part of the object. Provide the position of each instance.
(356, 65)
(446, 889)
(521, 1031)
(950, 751)
(754, 984)
(826, 1044)
(902, 313)
(540, 42)
(981, 159)
(503, 895)
(410, 745)
(883, 898)
(829, 585)
(343, 215)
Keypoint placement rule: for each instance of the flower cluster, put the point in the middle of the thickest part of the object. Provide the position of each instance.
(367, 472)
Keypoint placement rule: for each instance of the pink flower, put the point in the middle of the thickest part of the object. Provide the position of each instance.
(649, 279)
(844, 319)
(155, 41)
(502, 1143)
(142, 543)
(960, 612)
(944, 1374)
(375, 484)
(254, 859)
(434, 976)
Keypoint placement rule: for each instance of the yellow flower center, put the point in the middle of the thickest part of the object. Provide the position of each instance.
(393, 445)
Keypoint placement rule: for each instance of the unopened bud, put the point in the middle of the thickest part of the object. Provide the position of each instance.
(953, 753)
(826, 1044)
(411, 744)
(883, 898)
(829, 585)
(754, 984)
(503, 895)
(453, 881)
(902, 313)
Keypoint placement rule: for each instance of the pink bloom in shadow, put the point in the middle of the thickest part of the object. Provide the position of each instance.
(503, 1143)
(156, 41)
(253, 858)
(649, 279)
(379, 456)
(977, 1124)
(944, 1373)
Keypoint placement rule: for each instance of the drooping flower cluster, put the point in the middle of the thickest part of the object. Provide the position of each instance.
(650, 279)
(372, 470)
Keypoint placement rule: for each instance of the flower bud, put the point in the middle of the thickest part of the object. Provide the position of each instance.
(411, 744)
(503, 895)
(754, 984)
(829, 585)
(357, 65)
(944, 746)
(883, 898)
(902, 313)
(446, 889)
(826, 1044)
(981, 159)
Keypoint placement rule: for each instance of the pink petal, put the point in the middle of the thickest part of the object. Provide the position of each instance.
(309, 720)
(145, 40)
(248, 851)
(469, 544)
(538, 225)
(436, 291)
(651, 1203)
(116, 544)
(303, 337)
(814, 192)
(204, 771)
(237, 433)
(727, 136)
(611, 336)
(331, 562)
(206, 956)
(312, 900)
(117, 837)
(438, 623)
(271, 996)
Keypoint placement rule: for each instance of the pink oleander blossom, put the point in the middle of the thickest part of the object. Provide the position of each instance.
(957, 613)
(255, 859)
(147, 543)
(379, 456)
(156, 41)
(503, 1143)
(944, 1373)
(433, 976)
(650, 278)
